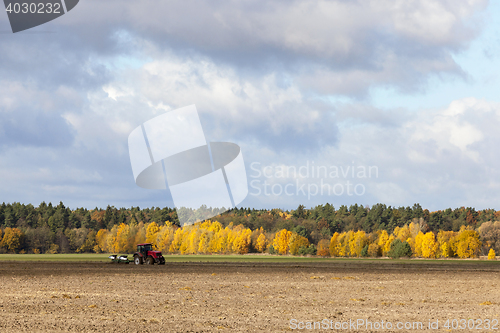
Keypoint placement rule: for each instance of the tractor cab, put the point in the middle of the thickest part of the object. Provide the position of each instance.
(144, 248)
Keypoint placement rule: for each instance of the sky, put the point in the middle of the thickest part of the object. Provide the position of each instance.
(339, 102)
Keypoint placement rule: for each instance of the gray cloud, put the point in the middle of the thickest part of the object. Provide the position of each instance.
(335, 47)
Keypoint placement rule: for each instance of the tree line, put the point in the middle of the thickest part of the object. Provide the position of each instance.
(322, 230)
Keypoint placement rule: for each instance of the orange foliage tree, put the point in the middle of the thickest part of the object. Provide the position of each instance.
(12, 239)
(323, 248)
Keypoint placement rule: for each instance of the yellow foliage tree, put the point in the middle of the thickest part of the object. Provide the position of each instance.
(242, 241)
(261, 244)
(383, 237)
(191, 243)
(387, 246)
(111, 239)
(343, 245)
(213, 242)
(296, 241)
(402, 233)
(445, 250)
(121, 240)
(357, 242)
(491, 255)
(231, 235)
(203, 246)
(348, 243)
(419, 239)
(466, 244)
(100, 240)
(177, 241)
(151, 233)
(140, 235)
(373, 250)
(411, 241)
(223, 240)
(165, 237)
(414, 229)
(443, 239)
(215, 227)
(281, 240)
(334, 245)
(429, 246)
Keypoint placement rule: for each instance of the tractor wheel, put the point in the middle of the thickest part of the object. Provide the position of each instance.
(150, 261)
(138, 260)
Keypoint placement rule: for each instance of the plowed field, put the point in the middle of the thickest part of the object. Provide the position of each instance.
(245, 297)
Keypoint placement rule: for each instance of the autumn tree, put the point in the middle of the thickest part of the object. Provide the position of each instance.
(334, 245)
(191, 243)
(429, 247)
(203, 246)
(415, 227)
(343, 245)
(281, 241)
(444, 247)
(100, 241)
(402, 233)
(139, 237)
(489, 233)
(323, 248)
(491, 255)
(89, 243)
(122, 237)
(111, 239)
(374, 250)
(466, 244)
(261, 244)
(165, 237)
(222, 240)
(357, 242)
(12, 240)
(383, 239)
(151, 233)
(296, 242)
(242, 241)
(177, 241)
(419, 239)
(387, 246)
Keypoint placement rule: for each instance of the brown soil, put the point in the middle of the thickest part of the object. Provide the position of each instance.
(234, 297)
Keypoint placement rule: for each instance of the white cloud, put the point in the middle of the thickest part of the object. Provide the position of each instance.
(232, 105)
(451, 129)
(439, 158)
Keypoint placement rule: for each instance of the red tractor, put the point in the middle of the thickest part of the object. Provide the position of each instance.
(145, 254)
